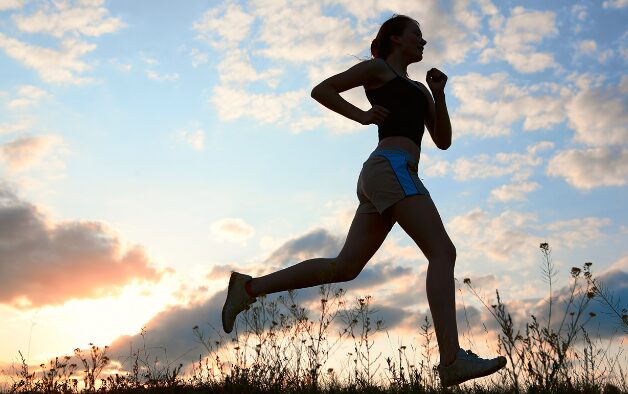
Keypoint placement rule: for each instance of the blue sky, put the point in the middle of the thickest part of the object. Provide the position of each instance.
(146, 148)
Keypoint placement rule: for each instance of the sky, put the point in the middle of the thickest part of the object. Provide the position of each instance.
(148, 148)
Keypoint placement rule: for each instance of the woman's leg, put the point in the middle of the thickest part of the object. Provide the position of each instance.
(366, 234)
(418, 216)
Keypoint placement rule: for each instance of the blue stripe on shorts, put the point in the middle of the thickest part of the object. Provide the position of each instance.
(399, 164)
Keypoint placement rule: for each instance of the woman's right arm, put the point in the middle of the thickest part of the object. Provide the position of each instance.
(328, 92)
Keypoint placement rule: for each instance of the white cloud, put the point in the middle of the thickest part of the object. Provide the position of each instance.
(513, 40)
(515, 236)
(151, 61)
(155, 76)
(11, 4)
(490, 105)
(579, 11)
(17, 126)
(224, 26)
(198, 57)
(577, 232)
(28, 95)
(519, 165)
(231, 230)
(539, 146)
(194, 138)
(513, 192)
(25, 152)
(615, 4)
(598, 115)
(588, 47)
(477, 234)
(236, 69)
(54, 66)
(68, 22)
(287, 38)
(592, 167)
(233, 103)
(86, 18)
(126, 67)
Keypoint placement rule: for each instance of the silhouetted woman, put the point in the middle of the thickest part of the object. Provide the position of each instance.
(389, 191)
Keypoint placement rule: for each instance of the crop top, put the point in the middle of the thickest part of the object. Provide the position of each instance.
(407, 105)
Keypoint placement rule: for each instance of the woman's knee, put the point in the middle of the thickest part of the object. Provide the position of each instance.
(446, 252)
(346, 270)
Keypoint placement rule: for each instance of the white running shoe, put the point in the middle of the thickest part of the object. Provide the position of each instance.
(469, 366)
(237, 300)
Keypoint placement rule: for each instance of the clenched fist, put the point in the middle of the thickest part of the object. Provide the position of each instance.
(436, 80)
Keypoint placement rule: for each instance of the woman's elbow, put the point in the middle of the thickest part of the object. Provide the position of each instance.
(444, 147)
(316, 91)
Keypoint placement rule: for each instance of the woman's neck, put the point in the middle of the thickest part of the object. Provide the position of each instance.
(398, 63)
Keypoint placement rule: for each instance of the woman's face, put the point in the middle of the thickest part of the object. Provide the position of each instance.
(411, 42)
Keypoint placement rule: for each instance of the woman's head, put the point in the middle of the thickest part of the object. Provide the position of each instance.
(399, 27)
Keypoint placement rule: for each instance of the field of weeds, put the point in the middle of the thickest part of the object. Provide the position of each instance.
(281, 347)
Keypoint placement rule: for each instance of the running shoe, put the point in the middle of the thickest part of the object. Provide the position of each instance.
(237, 300)
(469, 366)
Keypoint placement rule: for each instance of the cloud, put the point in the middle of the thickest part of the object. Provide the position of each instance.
(519, 165)
(198, 57)
(514, 236)
(586, 47)
(605, 324)
(580, 11)
(490, 105)
(577, 232)
(155, 76)
(25, 152)
(53, 66)
(87, 18)
(231, 230)
(317, 243)
(615, 4)
(286, 38)
(513, 191)
(196, 138)
(236, 69)
(17, 126)
(11, 4)
(46, 262)
(233, 103)
(28, 95)
(592, 167)
(513, 40)
(67, 22)
(126, 67)
(499, 238)
(598, 114)
(224, 26)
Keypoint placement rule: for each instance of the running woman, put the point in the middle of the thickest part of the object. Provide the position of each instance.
(389, 191)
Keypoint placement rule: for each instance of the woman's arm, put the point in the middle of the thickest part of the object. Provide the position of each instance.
(439, 118)
(328, 92)
(442, 124)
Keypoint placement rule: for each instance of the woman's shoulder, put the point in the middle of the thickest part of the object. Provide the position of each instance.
(378, 72)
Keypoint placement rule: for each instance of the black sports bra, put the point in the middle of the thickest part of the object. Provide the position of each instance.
(407, 105)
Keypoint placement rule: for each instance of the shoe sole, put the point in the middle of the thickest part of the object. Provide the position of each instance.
(231, 282)
(485, 373)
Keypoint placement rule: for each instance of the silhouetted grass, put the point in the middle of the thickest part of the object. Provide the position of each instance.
(284, 347)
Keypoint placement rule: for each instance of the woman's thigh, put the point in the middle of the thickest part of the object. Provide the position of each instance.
(366, 234)
(419, 218)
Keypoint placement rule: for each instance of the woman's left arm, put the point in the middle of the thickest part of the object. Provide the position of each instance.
(441, 125)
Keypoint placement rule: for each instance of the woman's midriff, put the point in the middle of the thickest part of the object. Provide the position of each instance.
(404, 143)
